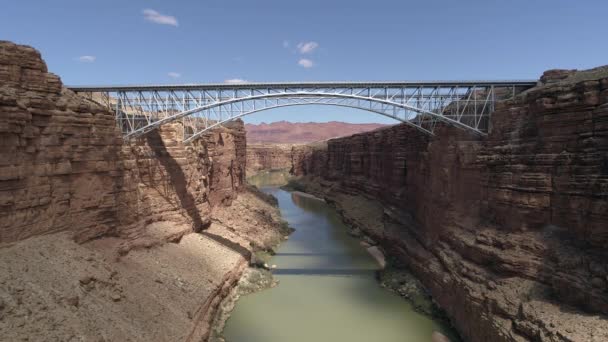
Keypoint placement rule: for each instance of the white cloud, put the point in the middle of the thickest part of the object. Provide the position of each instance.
(174, 74)
(87, 59)
(235, 81)
(306, 63)
(307, 47)
(157, 18)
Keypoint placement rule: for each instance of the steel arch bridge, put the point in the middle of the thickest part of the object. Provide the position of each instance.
(201, 107)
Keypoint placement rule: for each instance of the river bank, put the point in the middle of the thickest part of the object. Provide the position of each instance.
(362, 215)
(314, 268)
(165, 288)
(507, 231)
(107, 239)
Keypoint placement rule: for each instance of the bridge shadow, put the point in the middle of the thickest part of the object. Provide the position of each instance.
(324, 272)
(310, 254)
(244, 252)
(177, 178)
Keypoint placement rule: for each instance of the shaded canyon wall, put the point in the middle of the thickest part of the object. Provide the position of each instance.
(86, 217)
(268, 157)
(64, 165)
(506, 231)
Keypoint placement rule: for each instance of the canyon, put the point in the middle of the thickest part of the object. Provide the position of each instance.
(269, 145)
(108, 239)
(507, 232)
(285, 132)
(261, 157)
(112, 240)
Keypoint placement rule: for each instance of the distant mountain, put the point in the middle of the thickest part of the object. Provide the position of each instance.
(284, 132)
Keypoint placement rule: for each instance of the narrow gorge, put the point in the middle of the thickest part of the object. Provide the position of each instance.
(497, 237)
(506, 232)
(108, 240)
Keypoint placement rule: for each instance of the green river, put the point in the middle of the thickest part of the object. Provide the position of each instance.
(327, 287)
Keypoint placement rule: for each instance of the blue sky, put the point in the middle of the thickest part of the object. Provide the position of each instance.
(137, 41)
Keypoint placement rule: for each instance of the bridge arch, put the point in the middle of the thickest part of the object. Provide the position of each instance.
(195, 135)
(398, 111)
(141, 109)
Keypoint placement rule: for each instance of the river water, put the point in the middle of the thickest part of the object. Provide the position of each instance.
(327, 288)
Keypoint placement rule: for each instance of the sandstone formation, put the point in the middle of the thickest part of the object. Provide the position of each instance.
(508, 231)
(267, 157)
(270, 145)
(285, 132)
(86, 217)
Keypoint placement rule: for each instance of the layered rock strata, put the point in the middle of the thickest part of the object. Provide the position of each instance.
(506, 231)
(268, 157)
(285, 132)
(86, 217)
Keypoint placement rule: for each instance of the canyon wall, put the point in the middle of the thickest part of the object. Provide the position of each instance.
(164, 180)
(506, 231)
(285, 132)
(86, 217)
(59, 154)
(267, 157)
(65, 166)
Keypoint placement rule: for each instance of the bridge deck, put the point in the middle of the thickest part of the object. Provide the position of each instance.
(324, 84)
(200, 107)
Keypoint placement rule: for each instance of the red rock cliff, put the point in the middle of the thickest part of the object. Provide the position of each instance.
(506, 231)
(65, 166)
(285, 132)
(66, 170)
(268, 157)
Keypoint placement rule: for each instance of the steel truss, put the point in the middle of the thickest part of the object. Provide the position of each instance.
(141, 109)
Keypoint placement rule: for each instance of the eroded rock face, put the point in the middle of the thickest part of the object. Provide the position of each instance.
(506, 231)
(64, 165)
(309, 159)
(167, 181)
(285, 132)
(267, 157)
(108, 272)
(59, 154)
